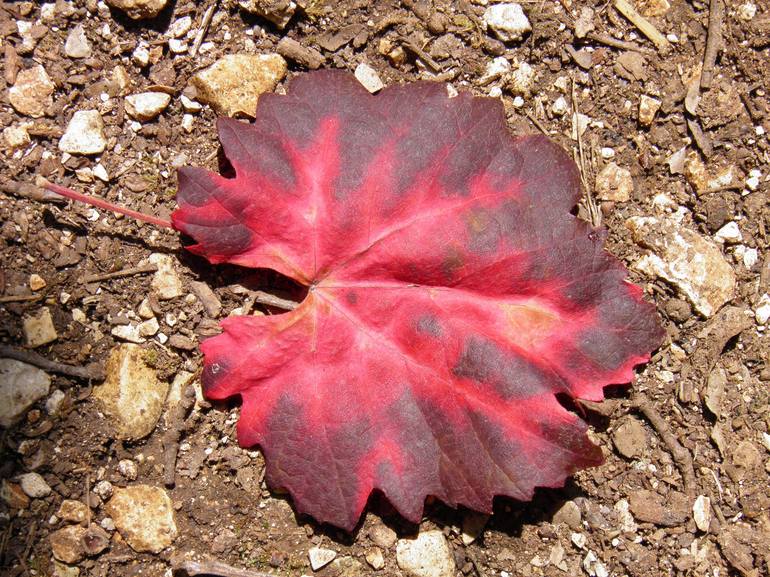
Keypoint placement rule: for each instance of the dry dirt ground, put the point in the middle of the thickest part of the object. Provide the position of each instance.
(695, 428)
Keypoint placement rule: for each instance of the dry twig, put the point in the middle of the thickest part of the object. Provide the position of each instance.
(644, 25)
(119, 273)
(92, 371)
(177, 415)
(713, 43)
(681, 455)
(615, 43)
(264, 298)
(203, 28)
(217, 568)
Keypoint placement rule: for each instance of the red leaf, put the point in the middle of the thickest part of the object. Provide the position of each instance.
(451, 297)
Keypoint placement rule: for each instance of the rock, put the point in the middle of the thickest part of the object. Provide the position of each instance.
(715, 390)
(103, 489)
(95, 540)
(304, 55)
(179, 27)
(320, 557)
(745, 457)
(139, 9)
(650, 507)
(569, 513)
(368, 78)
(129, 333)
(12, 495)
(703, 179)
(62, 569)
(496, 68)
(729, 234)
(614, 184)
(653, 7)
(84, 134)
(694, 265)
(146, 105)
(73, 511)
(762, 311)
(630, 438)
(593, 566)
(383, 536)
(648, 108)
(507, 21)
(166, 283)
(522, 80)
(626, 521)
(131, 395)
(36, 282)
(426, 556)
(560, 106)
(54, 403)
(232, 84)
(375, 558)
(149, 327)
(21, 386)
(39, 329)
(144, 517)
(701, 513)
(473, 525)
(346, 567)
(77, 45)
(16, 136)
(32, 92)
(128, 469)
(67, 544)
(224, 542)
(584, 22)
(279, 12)
(34, 486)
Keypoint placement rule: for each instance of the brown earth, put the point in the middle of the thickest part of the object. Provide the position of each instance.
(669, 442)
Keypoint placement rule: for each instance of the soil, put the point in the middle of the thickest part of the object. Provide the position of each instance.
(634, 513)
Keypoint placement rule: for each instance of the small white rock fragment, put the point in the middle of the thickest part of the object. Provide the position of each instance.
(614, 184)
(279, 12)
(103, 489)
(84, 134)
(166, 283)
(607, 153)
(579, 540)
(190, 105)
(593, 566)
(496, 68)
(128, 469)
(39, 329)
(560, 106)
(752, 182)
(21, 386)
(375, 558)
(179, 27)
(144, 517)
(684, 258)
(729, 233)
(141, 56)
(16, 136)
(762, 311)
(701, 513)
(747, 11)
(648, 108)
(34, 486)
(129, 333)
(177, 46)
(32, 92)
(54, 402)
(77, 45)
(101, 173)
(149, 327)
(507, 21)
(146, 105)
(368, 78)
(320, 557)
(522, 79)
(426, 556)
(36, 282)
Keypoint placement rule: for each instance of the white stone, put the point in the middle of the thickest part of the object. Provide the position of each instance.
(84, 134)
(188, 120)
(128, 469)
(750, 256)
(34, 486)
(729, 234)
(426, 556)
(320, 557)
(21, 386)
(179, 27)
(166, 283)
(38, 328)
(496, 68)
(32, 92)
(146, 105)
(522, 79)
(129, 333)
(762, 311)
(593, 566)
(682, 257)
(701, 513)
(560, 106)
(752, 182)
(580, 124)
(177, 46)
(648, 108)
(16, 136)
(368, 78)
(375, 558)
(232, 84)
(144, 517)
(77, 45)
(149, 327)
(747, 11)
(141, 56)
(131, 396)
(614, 184)
(101, 173)
(103, 489)
(607, 153)
(54, 402)
(507, 21)
(190, 105)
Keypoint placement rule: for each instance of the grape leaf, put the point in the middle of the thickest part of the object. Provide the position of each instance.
(452, 296)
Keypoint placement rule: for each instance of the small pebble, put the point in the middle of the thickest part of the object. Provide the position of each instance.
(34, 486)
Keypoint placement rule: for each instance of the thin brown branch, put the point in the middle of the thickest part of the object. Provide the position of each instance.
(203, 28)
(119, 273)
(644, 25)
(264, 298)
(176, 417)
(681, 455)
(217, 568)
(615, 43)
(19, 298)
(713, 43)
(92, 371)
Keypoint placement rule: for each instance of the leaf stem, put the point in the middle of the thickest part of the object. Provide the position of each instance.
(101, 203)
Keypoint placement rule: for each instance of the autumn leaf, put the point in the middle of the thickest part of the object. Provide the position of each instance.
(451, 297)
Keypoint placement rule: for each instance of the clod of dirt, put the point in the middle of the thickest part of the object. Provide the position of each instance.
(650, 507)
(630, 438)
(132, 396)
(39, 329)
(279, 12)
(614, 184)
(144, 517)
(67, 544)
